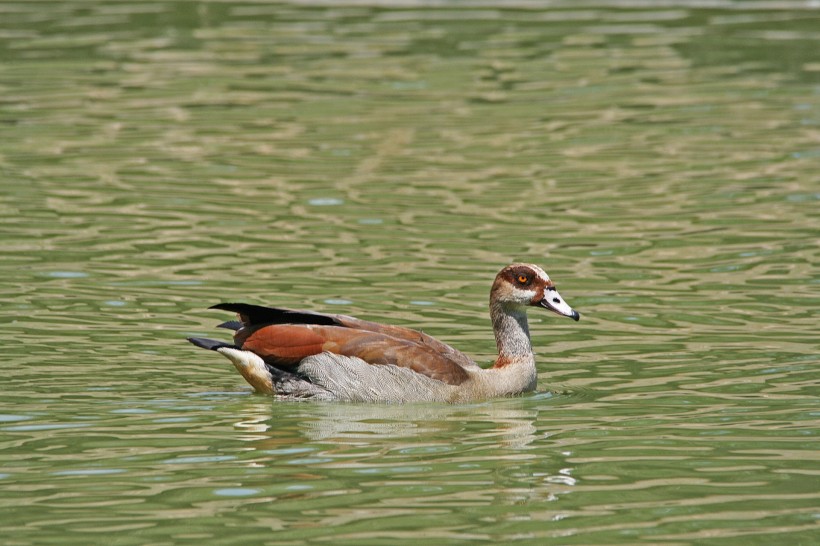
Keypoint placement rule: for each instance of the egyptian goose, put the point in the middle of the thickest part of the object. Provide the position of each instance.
(306, 355)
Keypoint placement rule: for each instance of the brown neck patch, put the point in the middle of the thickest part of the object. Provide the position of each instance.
(503, 361)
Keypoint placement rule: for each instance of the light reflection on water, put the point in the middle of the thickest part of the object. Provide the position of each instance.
(660, 162)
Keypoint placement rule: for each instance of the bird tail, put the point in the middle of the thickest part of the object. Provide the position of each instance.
(210, 344)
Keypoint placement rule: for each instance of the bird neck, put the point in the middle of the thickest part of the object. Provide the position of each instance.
(512, 334)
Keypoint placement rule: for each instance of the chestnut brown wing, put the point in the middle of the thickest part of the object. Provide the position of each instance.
(254, 317)
(287, 344)
(408, 334)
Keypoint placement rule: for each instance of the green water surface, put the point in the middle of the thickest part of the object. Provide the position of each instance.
(385, 159)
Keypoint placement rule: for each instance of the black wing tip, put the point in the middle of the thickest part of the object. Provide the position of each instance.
(258, 314)
(230, 325)
(210, 344)
(228, 306)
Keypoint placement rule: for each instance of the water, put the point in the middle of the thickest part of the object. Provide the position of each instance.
(659, 160)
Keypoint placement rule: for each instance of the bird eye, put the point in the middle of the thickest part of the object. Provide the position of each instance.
(522, 279)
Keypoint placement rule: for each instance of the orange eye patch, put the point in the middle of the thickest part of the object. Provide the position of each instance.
(522, 279)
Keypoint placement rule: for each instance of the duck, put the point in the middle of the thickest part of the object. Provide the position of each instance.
(305, 355)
